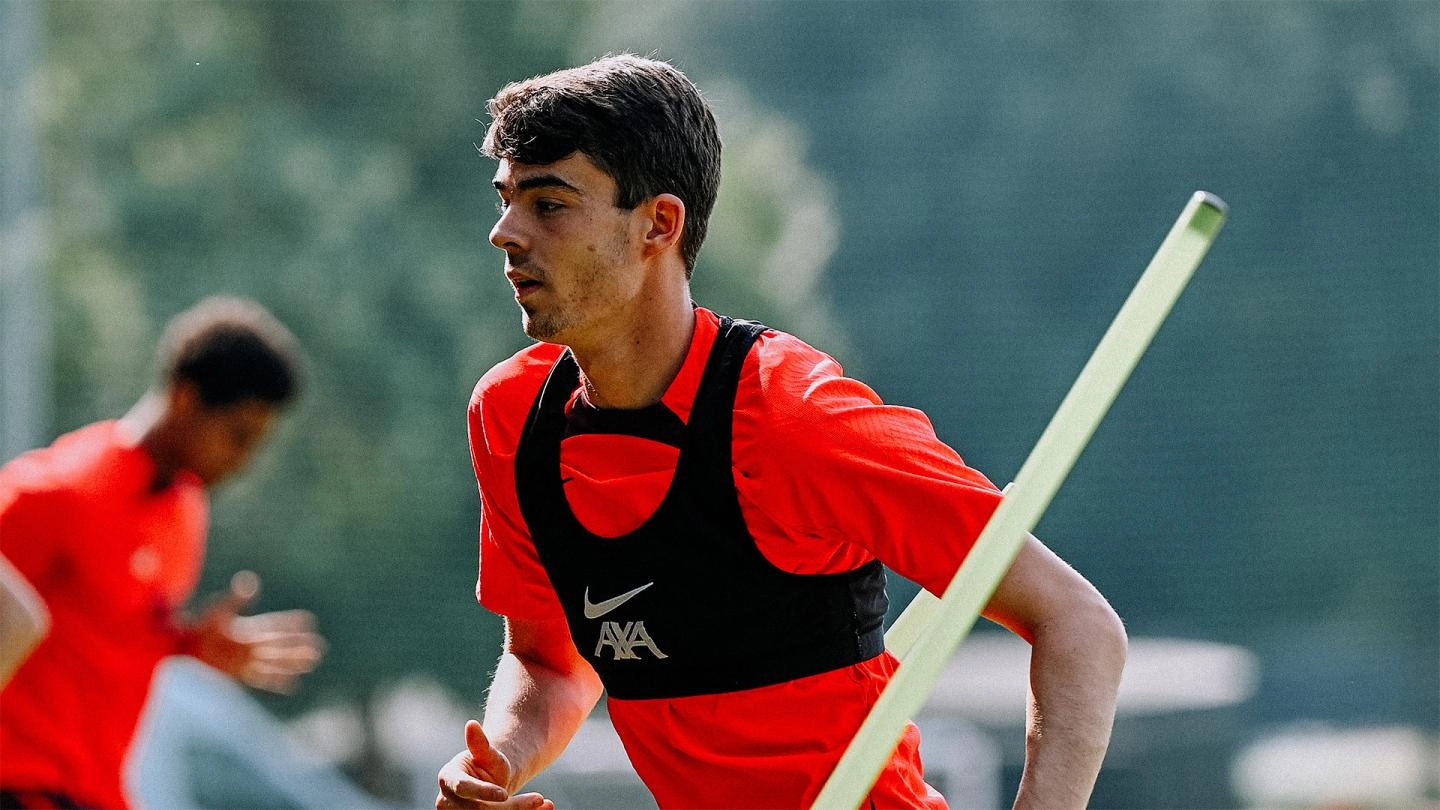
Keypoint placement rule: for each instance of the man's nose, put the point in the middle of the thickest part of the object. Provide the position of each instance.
(505, 235)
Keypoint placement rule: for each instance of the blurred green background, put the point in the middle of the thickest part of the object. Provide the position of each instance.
(951, 198)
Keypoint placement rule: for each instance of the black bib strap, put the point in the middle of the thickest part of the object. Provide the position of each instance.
(686, 604)
(655, 422)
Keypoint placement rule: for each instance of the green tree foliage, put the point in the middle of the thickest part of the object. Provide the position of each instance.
(980, 183)
(1003, 172)
(320, 158)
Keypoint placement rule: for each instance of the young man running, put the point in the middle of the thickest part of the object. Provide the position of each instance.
(691, 512)
(102, 536)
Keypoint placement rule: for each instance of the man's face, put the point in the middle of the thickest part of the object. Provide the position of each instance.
(570, 253)
(219, 440)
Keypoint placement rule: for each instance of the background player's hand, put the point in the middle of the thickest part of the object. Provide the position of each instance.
(269, 651)
(477, 776)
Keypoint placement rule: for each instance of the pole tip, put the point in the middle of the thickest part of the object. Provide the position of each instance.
(1207, 213)
(1206, 198)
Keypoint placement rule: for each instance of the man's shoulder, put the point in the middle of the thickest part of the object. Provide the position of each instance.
(795, 395)
(71, 463)
(776, 346)
(515, 381)
(785, 367)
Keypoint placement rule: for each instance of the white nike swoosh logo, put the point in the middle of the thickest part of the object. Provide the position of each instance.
(594, 610)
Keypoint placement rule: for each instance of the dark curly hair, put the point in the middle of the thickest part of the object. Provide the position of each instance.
(640, 120)
(232, 350)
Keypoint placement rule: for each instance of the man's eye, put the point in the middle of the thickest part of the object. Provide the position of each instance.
(501, 205)
(547, 206)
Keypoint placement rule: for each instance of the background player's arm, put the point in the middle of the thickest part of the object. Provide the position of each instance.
(24, 619)
(268, 651)
(1077, 654)
(541, 693)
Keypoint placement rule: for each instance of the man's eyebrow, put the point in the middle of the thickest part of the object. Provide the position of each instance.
(536, 181)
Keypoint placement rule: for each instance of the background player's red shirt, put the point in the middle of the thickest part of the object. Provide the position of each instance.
(113, 561)
(828, 478)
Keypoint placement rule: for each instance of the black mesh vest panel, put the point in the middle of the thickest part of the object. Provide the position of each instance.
(686, 604)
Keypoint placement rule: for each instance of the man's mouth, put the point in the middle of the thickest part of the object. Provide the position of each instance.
(523, 284)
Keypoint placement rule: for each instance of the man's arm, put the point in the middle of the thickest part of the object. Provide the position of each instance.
(1077, 654)
(24, 620)
(268, 651)
(541, 693)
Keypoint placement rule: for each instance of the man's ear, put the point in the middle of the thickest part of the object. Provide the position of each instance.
(667, 223)
(182, 398)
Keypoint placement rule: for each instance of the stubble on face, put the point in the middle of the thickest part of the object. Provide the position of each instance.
(546, 323)
(590, 291)
(570, 247)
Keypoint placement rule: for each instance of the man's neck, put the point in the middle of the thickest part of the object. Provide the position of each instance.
(634, 367)
(146, 424)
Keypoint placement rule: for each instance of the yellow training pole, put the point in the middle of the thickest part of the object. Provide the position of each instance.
(938, 629)
(912, 621)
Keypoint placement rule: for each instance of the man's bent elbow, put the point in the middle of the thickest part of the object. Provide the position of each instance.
(22, 609)
(1107, 631)
(1092, 622)
(32, 621)
(24, 623)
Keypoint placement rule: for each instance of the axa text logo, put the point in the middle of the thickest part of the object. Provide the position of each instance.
(625, 639)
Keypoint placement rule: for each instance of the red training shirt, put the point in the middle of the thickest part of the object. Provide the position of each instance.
(113, 561)
(828, 478)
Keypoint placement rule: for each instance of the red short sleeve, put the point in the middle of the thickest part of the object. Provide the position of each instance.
(32, 528)
(512, 581)
(829, 474)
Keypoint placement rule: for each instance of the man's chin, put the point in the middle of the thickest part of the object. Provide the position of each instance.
(542, 329)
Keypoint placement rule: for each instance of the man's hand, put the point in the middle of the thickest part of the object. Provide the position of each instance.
(269, 651)
(477, 776)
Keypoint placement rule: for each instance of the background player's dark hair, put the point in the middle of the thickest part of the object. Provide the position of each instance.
(231, 350)
(640, 120)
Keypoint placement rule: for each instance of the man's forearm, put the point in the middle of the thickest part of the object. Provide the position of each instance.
(1075, 671)
(532, 712)
(24, 620)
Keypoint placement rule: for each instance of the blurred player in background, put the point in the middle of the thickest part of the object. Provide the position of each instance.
(102, 540)
(691, 512)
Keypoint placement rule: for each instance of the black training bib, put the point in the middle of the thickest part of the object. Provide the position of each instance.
(686, 604)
